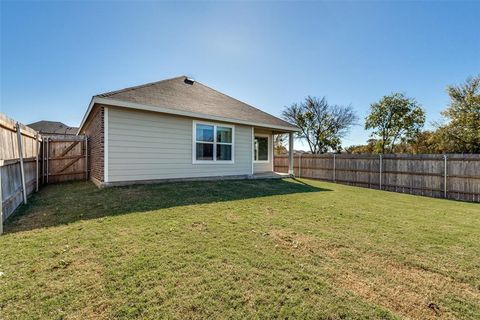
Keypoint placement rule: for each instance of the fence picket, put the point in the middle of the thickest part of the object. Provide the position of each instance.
(426, 174)
(21, 151)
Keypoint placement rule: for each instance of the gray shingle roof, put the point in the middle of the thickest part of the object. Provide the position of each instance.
(53, 127)
(178, 94)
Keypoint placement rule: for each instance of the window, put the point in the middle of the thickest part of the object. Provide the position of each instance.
(261, 148)
(204, 142)
(212, 143)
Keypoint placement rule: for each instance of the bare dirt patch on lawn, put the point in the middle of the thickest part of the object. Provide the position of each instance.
(410, 291)
(198, 226)
(301, 244)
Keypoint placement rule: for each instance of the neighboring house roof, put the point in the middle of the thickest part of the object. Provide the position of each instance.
(53, 127)
(183, 96)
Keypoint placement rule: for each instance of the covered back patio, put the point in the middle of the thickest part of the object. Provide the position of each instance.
(264, 152)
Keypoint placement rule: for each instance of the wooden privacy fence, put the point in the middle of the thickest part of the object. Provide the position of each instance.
(19, 165)
(452, 176)
(64, 159)
(28, 160)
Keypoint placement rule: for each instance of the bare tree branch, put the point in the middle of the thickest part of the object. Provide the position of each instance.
(322, 125)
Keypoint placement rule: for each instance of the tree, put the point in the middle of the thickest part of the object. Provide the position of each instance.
(322, 125)
(394, 118)
(463, 114)
(370, 147)
(279, 142)
(422, 142)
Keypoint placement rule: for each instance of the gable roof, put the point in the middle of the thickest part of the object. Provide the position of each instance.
(183, 96)
(53, 127)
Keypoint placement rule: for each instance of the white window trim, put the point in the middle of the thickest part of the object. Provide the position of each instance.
(215, 143)
(269, 147)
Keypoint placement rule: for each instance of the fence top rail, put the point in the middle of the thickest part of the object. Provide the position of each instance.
(422, 157)
(11, 125)
(65, 138)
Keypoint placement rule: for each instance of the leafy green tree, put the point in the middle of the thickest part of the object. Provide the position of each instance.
(462, 132)
(322, 125)
(368, 148)
(395, 118)
(423, 142)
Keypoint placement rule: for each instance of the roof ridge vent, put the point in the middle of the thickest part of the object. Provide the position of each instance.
(189, 81)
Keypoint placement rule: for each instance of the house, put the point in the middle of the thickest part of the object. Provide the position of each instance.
(177, 129)
(53, 128)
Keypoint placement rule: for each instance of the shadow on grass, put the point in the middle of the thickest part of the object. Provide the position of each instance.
(69, 202)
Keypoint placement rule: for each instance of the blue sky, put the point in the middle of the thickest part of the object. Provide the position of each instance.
(56, 55)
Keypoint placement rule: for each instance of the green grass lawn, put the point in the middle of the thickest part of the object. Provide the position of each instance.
(239, 249)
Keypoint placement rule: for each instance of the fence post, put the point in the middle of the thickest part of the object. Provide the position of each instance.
(48, 156)
(445, 176)
(43, 161)
(86, 158)
(300, 165)
(381, 163)
(37, 171)
(334, 167)
(20, 153)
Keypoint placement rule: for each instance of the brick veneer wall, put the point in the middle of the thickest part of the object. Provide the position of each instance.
(94, 130)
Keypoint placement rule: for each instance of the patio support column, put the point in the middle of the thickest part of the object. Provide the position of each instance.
(290, 154)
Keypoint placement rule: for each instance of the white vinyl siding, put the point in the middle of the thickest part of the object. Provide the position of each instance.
(265, 166)
(147, 146)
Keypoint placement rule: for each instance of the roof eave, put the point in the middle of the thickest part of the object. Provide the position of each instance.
(85, 117)
(138, 106)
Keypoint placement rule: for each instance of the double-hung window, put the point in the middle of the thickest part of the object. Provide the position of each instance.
(212, 143)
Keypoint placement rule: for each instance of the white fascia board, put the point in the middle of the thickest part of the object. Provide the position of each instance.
(138, 106)
(89, 109)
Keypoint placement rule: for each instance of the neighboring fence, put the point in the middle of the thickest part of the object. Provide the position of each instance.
(28, 160)
(19, 164)
(450, 176)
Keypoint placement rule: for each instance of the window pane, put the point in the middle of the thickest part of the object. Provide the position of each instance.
(261, 148)
(204, 133)
(224, 152)
(224, 134)
(204, 151)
